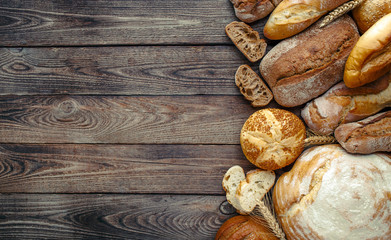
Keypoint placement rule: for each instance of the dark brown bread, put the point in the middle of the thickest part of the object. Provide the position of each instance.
(303, 67)
(251, 10)
(370, 135)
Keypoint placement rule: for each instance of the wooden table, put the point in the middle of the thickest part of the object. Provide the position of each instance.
(118, 119)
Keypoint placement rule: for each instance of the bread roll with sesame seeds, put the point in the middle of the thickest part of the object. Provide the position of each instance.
(272, 138)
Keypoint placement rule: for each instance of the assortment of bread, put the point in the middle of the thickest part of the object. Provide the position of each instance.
(338, 78)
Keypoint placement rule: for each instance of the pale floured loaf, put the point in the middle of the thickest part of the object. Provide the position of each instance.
(272, 138)
(331, 194)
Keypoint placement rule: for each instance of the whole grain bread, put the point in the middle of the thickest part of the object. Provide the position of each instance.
(252, 87)
(247, 40)
(252, 10)
(303, 67)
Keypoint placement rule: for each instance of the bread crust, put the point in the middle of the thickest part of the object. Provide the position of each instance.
(369, 12)
(370, 135)
(272, 138)
(371, 56)
(303, 67)
(331, 194)
(341, 105)
(252, 10)
(293, 16)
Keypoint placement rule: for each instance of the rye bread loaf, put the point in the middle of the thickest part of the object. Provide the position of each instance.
(331, 194)
(370, 135)
(341, 105)
(303, 67)
(369, 12)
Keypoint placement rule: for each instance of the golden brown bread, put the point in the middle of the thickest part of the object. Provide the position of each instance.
(369, 12)
(303, 67)
(331, 194)
(293, 16)
(341, 105)
(371, 56)
(252, 86)
(247, 40)
(251, 10)
(272, 138)
(370, 135)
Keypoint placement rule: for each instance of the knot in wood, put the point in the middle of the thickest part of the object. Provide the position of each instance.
(66, 110)
(226, 208)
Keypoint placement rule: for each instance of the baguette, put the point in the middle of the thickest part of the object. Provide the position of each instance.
(341, 105)
(252, 10)
(371, 56)
(247, 40)
(252, 86)
(293, 16)
(370, 135)
(303, 67)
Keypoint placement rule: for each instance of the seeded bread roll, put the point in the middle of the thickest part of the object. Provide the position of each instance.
(293, 16)
(272, 138)
(303, 67)
(369, 12)
(251, 10)
(247, 40)
(371, 56)
(331, 194)
(341, 105)
(252, 86)
(370, 135)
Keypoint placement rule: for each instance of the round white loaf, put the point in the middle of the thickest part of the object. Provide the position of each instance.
(331, 194)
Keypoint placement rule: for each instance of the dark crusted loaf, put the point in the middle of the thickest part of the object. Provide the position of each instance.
(306, 65)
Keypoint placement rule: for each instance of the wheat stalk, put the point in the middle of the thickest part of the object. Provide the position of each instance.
(339, 11)
(316, 139)
(265, 215)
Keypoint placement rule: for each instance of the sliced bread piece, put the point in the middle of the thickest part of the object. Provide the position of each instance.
(231, 181)
(247, 40)
(250, 191)
(252, 86)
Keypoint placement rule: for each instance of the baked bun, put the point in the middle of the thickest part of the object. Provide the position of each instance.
(293, 16)
(371, 56)
(272, 138)
(251, 10)
(370, 135)
(331, 194)
(369, 12)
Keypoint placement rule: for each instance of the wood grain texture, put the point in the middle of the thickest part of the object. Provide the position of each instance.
(135, 70)
(128, 120)
(94, 216)
(98, 22)
(80, 168)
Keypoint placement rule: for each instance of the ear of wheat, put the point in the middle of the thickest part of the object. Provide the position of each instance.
(339, 11)
(264, 214)
(316, 139)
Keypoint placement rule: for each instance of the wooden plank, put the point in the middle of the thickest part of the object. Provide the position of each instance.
(133, 70)
(128, 120)
(92, 216)
(179, 169)
(102, 22)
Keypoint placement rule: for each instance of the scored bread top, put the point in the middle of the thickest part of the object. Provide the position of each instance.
(330, 194)
(247, 40)
(272, 138)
